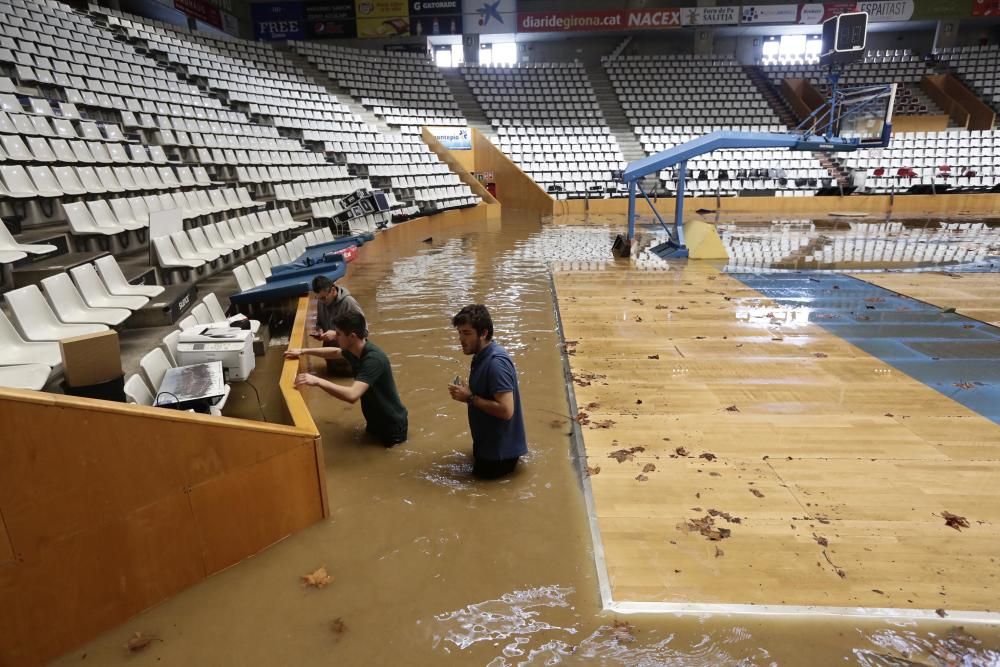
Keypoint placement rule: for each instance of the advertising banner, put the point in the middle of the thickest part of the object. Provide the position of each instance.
(816, 12)
(696, 16)
(331, 19)
(434, 7)
(453, 138)
(628, 19)
(201, 10)
(769, 14)
(382, 18)
(880, 11)
(435, 17)
(278, 20)
(489, 16)
(986, 8)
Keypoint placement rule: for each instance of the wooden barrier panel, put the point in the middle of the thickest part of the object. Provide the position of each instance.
(802, 97)
(983, 203)
(927, 123)
(108, 509)
(451, 158)
(981, 115)
(515, 189)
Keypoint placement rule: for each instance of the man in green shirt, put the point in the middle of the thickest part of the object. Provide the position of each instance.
(373, 384)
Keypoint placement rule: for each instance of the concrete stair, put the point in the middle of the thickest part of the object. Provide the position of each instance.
(618, 122)
(468, 105)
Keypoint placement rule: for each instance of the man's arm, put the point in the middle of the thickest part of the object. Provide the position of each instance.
(501, 406)
(349, 394)
(322, 352)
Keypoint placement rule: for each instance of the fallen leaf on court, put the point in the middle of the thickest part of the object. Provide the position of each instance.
(708, 456)
(638, 318)
(706, 526)
(875, 590)
(757, 493)
(820, 355)
(337, 627)
(725, 515)
(641, 478)
(719, 553)
(317, 579)
(623, 455)
(653, 356)
(940, 612)
(607, 423)
(732, 408)
(681, 451)
(140, 642)
(660, 306)
(699, 338)
(955, 521)
(638, 401)
(595, 470)
(638, 301)
(822, 518)
(820, 540)
(649, 467)
(582, 418)
(592, 406)
(889, 414)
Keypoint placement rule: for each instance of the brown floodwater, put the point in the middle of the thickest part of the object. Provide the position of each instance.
(432, 568)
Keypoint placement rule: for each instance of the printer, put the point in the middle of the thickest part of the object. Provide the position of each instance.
(218, 342)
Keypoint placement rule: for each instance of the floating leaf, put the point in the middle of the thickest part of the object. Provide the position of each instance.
(140, 642)
(317, 579)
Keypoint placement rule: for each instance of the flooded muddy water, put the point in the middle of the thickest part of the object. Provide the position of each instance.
(431, 568)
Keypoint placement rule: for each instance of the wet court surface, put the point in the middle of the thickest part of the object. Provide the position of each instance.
(431, 568)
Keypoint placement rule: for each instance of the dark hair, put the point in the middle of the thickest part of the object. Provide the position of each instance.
(351, 322)
(321, 283)
(477, 317)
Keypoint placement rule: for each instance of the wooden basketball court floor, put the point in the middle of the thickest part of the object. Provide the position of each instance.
(742, 458)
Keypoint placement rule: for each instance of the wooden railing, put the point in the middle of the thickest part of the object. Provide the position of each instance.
(107, 509)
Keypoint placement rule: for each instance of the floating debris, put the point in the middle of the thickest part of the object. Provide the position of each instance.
(317, 579)
(140, 642)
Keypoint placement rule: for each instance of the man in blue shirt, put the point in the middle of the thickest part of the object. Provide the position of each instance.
(493, 397)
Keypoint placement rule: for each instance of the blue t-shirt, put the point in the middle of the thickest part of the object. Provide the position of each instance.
(495, 439)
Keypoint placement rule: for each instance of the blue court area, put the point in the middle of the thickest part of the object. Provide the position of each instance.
(953, 354)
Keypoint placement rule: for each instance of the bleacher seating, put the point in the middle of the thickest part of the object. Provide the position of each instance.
(964, 159)
(897, 66)
(673, 99)
(404, 89)
(549, 123)
(979, 66)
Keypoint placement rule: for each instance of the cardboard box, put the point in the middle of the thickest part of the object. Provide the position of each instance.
(91, 359)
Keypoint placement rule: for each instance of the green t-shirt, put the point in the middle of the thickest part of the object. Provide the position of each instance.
(380, 404)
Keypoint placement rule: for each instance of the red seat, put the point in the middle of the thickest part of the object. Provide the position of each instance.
(880, 171)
